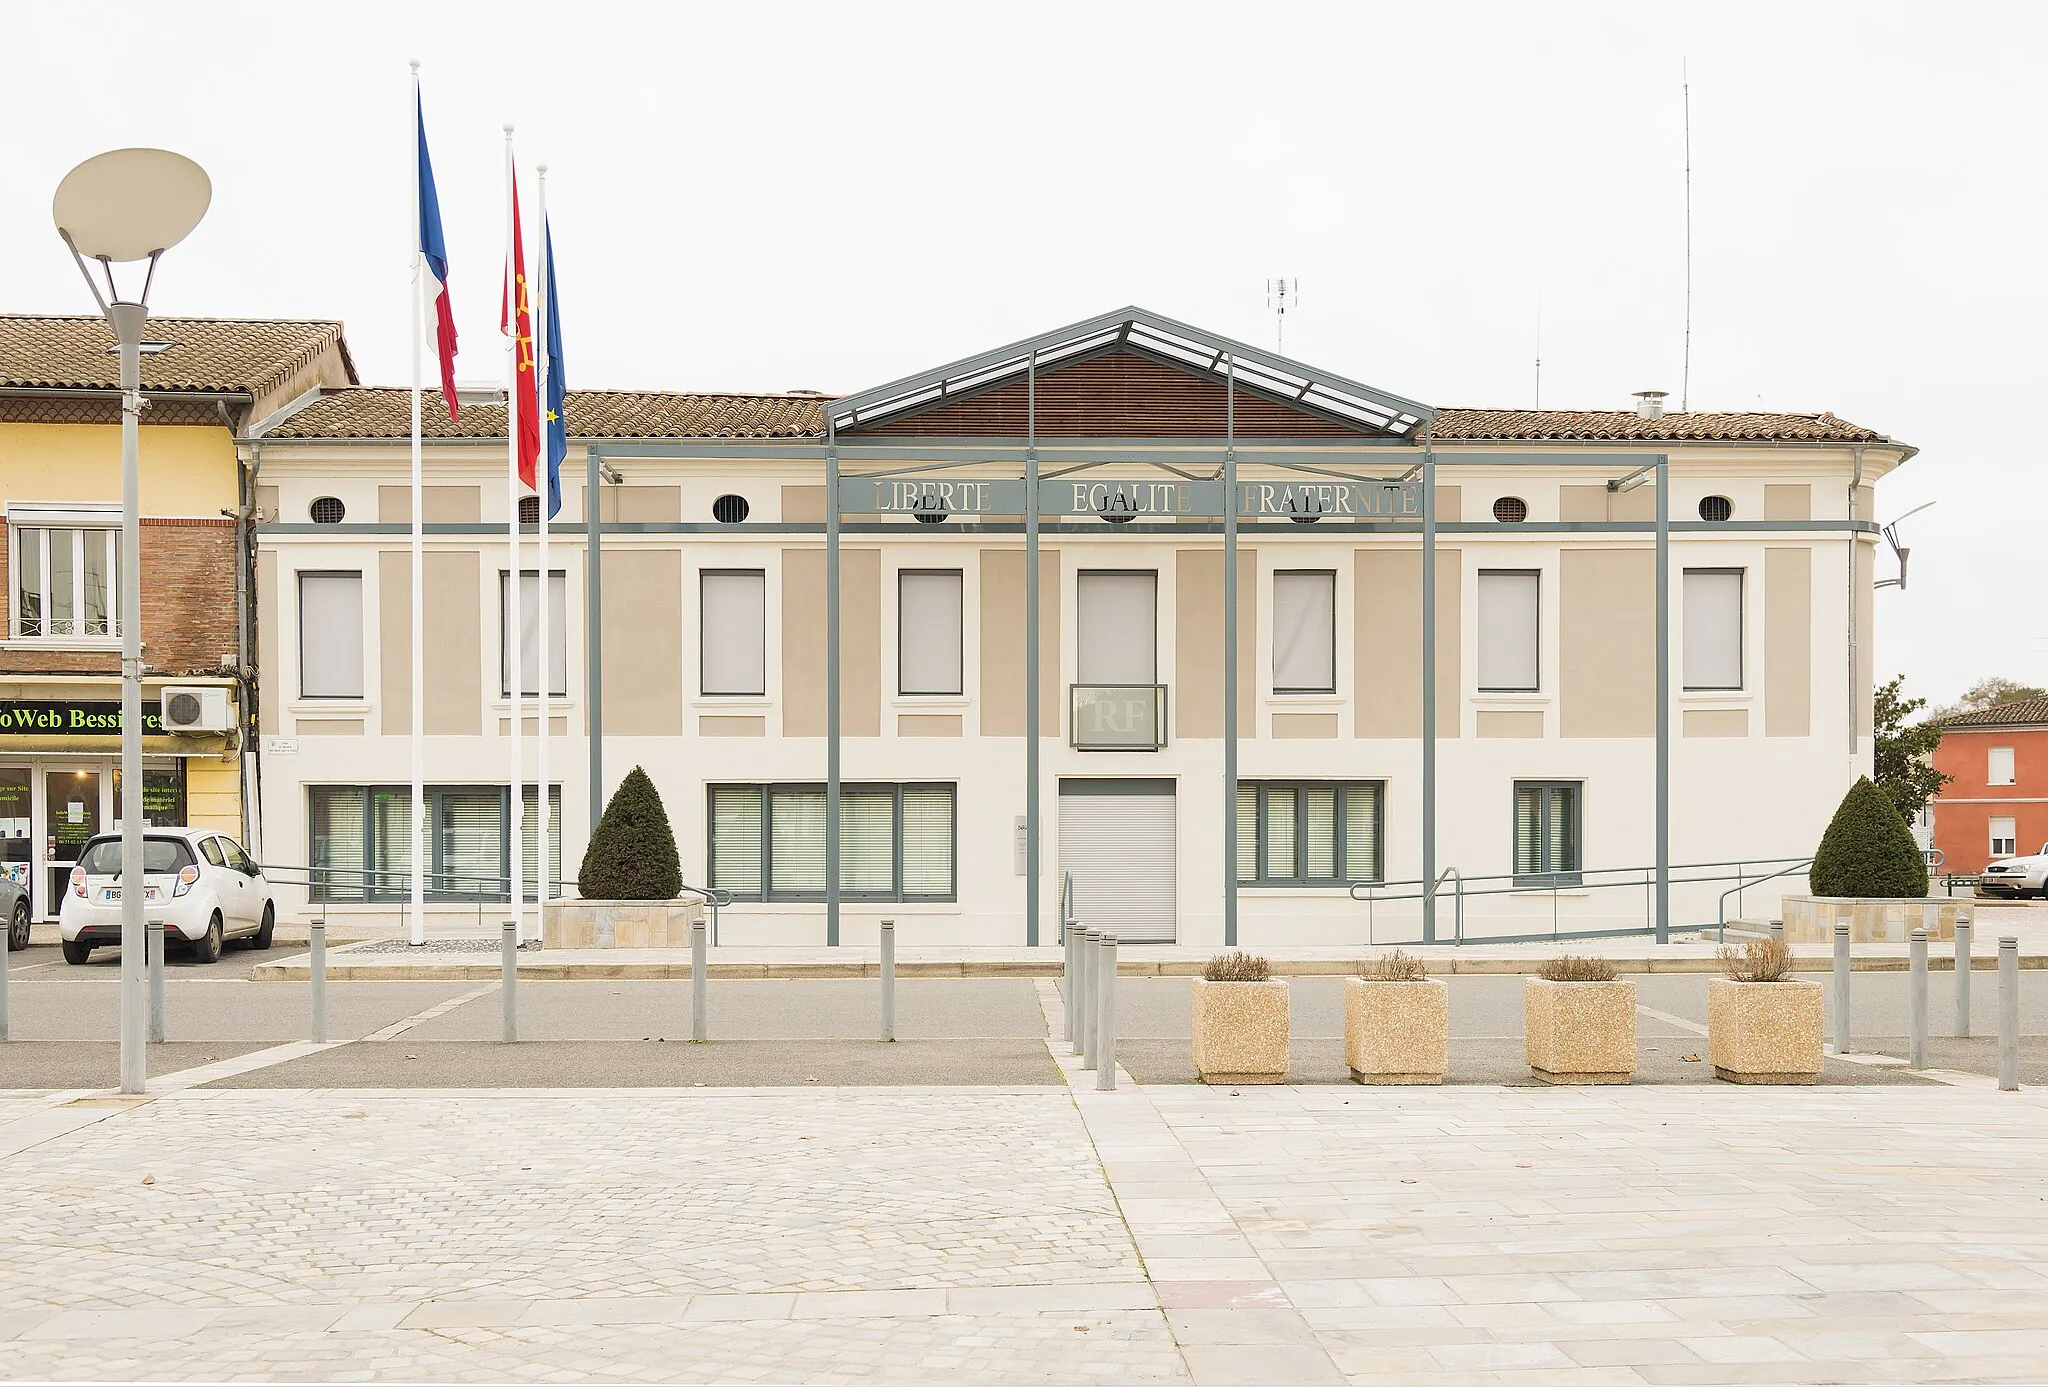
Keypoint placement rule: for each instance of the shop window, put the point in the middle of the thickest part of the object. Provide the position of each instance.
(734, 654)
(529, 627)
(929, 631)
(64, 577)
(1547, 833)
(1305, 631)
(1713, 628)
(1308, 833)
(896, 842)
(359, 842)
(1509, 643)
(163, 795)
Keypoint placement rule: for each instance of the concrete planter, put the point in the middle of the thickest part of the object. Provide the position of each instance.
(1764, 1032)
(1812, 919)
(1580, 1032)
(577, 924)
(1396, 1032)
(1241, 1032)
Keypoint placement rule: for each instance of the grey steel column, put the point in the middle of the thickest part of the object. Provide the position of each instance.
(700, 986)
(593, 627)
(831, 684)
(508, 978)
(2009, 1013)
(1963, 978)
(1428, 692)
(888, 979)
(1230, 652)
(1916, 1000)
(1031, 709)
(1663, 829)
(318, 965)
(1841, 989)
(1105, 1016)
(128, 320)
(156, 982)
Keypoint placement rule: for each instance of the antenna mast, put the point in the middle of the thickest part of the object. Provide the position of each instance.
(1685, 379)
(1280, 293)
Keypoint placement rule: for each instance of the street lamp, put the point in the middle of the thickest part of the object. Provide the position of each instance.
(117, 207)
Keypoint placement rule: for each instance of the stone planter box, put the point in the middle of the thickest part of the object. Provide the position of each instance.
(1241, 1032)
(1764, 1032)
(1396, 1032)
(1580, 1032)
(1812, 919)
(577, 924)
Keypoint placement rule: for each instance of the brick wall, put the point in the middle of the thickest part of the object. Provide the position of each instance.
(188, 604)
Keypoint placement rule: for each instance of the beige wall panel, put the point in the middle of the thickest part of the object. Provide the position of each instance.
(1715, 722)
(803, 505)
(1450, 503)
(1788, 501)
(1865, 632)
(557, 727)
(266, 501)
(1866, 503)
(1387, 643)
(803, 642)
(1304, 726)
(453, 632)
(394, 643)
(1198, 643)
(928, 725)
(860, 642)
(1002, 643)
(643, 642)
(445, 505)
(1788, 642)
(1518, 723)
(1582, 503)
(723, 726)
(330, 727)
(1640, 503)
(1607, 643)
(269, 718)
(633, 504)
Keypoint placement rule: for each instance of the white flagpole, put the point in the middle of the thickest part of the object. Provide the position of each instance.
(515, 632)
(418, 926)
(547, 584)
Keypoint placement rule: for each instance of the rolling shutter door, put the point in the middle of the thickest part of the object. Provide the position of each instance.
(1117, 840)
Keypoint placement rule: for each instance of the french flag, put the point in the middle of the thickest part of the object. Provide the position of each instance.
(434, 255)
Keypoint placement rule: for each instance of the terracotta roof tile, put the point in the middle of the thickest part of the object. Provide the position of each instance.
(2018, 713)
(387, 413)
(1532, 425)
(207, 355)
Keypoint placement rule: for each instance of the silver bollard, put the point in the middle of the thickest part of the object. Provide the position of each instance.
(1778, 930)
(1067, 982)
(153, 951)
(1091, 981)
(1077, 988)
(700, 986)
(508, 967)
(319, 971)
(2009, 1013)
(1916, 1000)
(1105, 1017)
(888, 979)
(1841, 989)
(1963, 978)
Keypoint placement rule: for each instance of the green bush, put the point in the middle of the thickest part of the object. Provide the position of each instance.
(1868, 851)
(632, 855)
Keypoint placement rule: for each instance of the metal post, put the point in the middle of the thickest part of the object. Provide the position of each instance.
(1229, 653)
(700, 986)
(1916, 1001)
(1428, 690)
(508, 971)
(1663, 826)
(2009, 1013)
(156, 982)
(1077, 1000)
(128, 321)
(593, 625)
(6, 946)
(888, 979)
(1067, 981)
(1105, 1017)
(1841, 989)
(1031, 619)
(1963, 978)
(1091, 966)
(831, 683)
(319, 973)
(1777, 930)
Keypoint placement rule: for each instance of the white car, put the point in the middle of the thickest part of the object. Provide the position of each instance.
(198, 882)
(2016, 877)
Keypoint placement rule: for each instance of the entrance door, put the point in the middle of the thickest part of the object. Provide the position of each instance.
(71, 814)
(1117, 842)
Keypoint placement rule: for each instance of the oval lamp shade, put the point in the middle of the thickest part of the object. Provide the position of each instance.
(127, 203)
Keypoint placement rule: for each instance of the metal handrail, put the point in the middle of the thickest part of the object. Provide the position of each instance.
(1741, 886)
(1458, 926)
(1066, 904)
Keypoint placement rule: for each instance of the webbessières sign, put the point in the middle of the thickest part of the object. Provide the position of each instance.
(71, 718)
(1120, 497)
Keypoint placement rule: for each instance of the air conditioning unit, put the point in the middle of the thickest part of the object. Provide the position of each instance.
(196, 708)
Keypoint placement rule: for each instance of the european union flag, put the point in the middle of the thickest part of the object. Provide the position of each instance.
(554, 428)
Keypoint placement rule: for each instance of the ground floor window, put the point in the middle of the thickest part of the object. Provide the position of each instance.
(1547, 832)
(2004, 837)
(1308, 833)
(896, 842)
(359, 842)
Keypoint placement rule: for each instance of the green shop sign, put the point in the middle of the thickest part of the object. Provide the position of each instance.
(65, 718)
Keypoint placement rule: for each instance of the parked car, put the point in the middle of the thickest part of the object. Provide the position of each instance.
(198, 882)
(14, 909)
(2016, 877)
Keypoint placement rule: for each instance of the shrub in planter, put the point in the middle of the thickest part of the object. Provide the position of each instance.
(1579, 1023)
(1241, 1022)
(1396, 1023)
(1868, 851)
(632, 855)
(1763, 1025)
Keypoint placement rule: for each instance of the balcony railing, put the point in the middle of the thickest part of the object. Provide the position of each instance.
(1117, 717)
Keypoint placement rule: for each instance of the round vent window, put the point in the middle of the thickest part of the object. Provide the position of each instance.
(1510, 510)
(1121, 518)
(184, 708)
(730, 509)
(328, 510)
(529, 510)
(1716, 508)
(932, 517)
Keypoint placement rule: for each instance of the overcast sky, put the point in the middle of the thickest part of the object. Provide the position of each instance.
(826, 196)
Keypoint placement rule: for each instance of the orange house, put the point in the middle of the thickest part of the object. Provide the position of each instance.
(1997, 805)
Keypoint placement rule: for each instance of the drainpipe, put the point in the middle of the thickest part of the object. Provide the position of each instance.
(1855, 482)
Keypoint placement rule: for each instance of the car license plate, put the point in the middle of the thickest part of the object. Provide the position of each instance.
(113, 893)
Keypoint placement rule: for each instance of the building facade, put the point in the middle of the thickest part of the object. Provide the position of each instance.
(204, 380)
(727, 567)
(1995, 803)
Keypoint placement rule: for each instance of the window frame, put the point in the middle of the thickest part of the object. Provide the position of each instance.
(1741, 683)
(959, 689)
(557, 631)
(1081, 576)
(2012, 765)
(1550, 877)
(362, 629)
(1536, 612)
(2012, 843)
(767, 790)
(1274, 672)
(704, 627)
(1339, 828)
(78, 520)
(438, 830)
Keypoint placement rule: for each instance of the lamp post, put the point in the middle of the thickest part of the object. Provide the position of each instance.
(115, 208)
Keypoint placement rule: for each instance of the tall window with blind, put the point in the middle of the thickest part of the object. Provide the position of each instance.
(62, 570)
(896, 842)
(929, 631)
(733, 655)
(1547, 832)
(1308, 833)
(1510, 647)
(330, 635)
(528, 647)
(1305, 631)
(1713, 628)
(359, 842)
(1998, 766)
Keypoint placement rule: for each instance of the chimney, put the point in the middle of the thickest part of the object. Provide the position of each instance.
(1650, 403)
